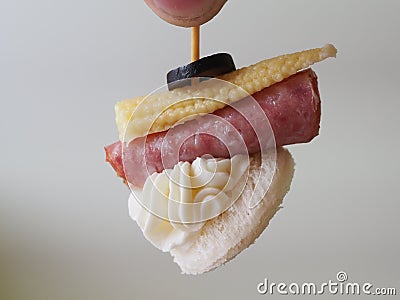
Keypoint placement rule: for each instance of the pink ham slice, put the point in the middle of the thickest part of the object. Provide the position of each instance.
(292, 107)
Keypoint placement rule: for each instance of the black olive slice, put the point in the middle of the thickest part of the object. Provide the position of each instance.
(209, 66)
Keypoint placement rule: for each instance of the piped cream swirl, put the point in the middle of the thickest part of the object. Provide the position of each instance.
(174, 205)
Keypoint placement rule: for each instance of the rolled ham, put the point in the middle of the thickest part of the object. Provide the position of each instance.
(290, 114)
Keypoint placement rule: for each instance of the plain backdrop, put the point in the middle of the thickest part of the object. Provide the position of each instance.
(65, 232)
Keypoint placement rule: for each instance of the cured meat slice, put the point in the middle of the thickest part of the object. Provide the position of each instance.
(292, 108)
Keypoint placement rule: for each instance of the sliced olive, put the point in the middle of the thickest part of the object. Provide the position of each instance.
(209, 66)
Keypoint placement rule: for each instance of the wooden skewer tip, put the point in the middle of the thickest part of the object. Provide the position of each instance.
(195, 43)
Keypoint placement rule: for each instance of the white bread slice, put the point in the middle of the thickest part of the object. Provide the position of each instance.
(225, 236)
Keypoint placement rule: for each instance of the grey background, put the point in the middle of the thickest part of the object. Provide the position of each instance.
(65, 232)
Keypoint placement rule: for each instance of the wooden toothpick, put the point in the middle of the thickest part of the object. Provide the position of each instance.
(195, 43)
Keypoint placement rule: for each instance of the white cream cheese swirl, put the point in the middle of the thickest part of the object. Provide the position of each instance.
(174, 205)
